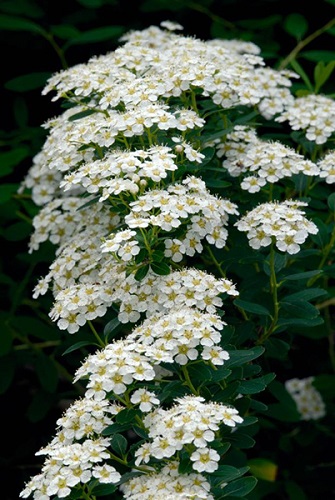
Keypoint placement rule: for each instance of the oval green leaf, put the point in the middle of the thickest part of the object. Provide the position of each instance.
(97, 35)
(13, 23)
(296, 25)
(252, 307)
(27, 82)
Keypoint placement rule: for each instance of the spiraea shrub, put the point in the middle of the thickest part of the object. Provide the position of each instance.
(187, 190)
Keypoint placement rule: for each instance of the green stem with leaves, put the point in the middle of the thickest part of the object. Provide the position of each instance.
(188, 380)
(274, 291)
(95, 333)
(303, 43)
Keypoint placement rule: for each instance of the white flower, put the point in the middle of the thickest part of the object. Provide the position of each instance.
(231, 417)
(106, 474)
(145, 399)
(205, 460)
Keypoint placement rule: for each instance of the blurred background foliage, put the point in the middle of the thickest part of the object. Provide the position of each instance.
(39, 38)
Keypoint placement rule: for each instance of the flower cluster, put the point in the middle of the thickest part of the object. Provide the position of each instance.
(326, 165)
(167, 484)
(190, 421)
(259, 162)
(308, 399)
(187, 208)
(284, 223)
(113, 369)
(175, 337)
(314, 114)
(68, 466)
(76, 455)
(80, 302)
(62, 220)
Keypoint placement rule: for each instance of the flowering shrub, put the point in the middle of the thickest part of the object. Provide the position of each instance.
(169, 149)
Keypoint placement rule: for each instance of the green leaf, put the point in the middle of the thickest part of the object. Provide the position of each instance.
(6, 192)
(157, 256)
(101, 490)
(140, 432)
(82, 114)
(240, 487)
(160, 268)
(299, 309)
(296, 25)
(10, 159)
(97, 35)
(276, 348)
(128, 476)
(240, 357)
(127, 416)
(17, 232)
(76, 346)
(229, 473)
(252, 307)
(307, 294)
(322, 236)
(200, 372)
(301, 72)
(65, 31)
(89, 203)
(249, 420)
(307, 322)
(232, 389)
(318, 55)
(285, 410)
(322, 73)
(242, 440)
(217, 183)
(141, 273)
(256, 385)
(27, 82)
(20, 7)
(280, 261)
(257, 405)
(111, 327)
(172, 390)
(119, 444)
(294, 491)
(185, 465)
(280, 393)
(331, 202)
(263, 468)
(13, 23)
(315, 332)
(304, 275)
(114, 429)
(220, 374)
